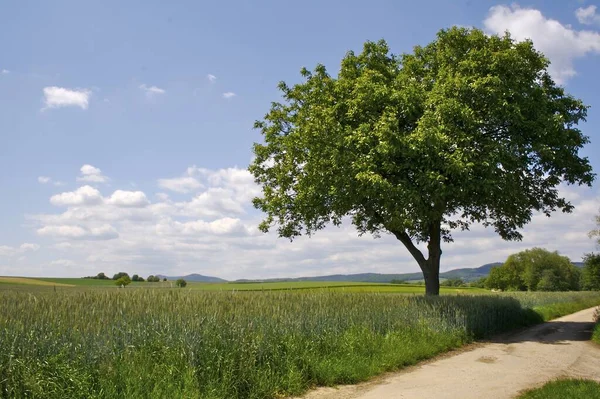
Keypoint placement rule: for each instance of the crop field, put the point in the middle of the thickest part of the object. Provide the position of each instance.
(340, 286)
(187, 343)
(30, 281)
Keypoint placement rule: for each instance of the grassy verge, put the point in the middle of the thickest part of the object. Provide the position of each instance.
(192, 344)
(565, 389)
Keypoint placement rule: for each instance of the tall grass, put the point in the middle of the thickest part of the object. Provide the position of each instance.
(189, 344)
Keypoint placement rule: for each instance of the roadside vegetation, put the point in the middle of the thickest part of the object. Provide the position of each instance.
(144, 343)
(565, 389)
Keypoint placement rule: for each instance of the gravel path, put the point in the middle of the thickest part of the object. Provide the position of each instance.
(498, 369)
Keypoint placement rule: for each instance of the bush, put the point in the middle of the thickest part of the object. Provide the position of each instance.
(396, 281)
(153, 279)
(453, 282)
(181, 283)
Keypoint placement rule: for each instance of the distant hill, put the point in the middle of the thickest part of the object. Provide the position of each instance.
(467, 274)
(196, 278)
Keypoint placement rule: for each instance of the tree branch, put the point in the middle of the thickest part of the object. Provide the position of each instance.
(414, 251)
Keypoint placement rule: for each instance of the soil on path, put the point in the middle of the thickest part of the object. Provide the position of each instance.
(497, 369)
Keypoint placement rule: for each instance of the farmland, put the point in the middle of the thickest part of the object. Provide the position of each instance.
(136, 343)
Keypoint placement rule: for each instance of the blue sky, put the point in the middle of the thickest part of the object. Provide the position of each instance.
(126, 127)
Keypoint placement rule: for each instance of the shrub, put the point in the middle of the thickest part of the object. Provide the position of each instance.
(181, 283)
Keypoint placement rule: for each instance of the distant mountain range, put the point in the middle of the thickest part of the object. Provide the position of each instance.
(466, 274)
(196, 278)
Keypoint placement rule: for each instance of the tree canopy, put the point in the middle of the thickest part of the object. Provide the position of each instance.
(535, 270)
(590, 275)
(468, 129)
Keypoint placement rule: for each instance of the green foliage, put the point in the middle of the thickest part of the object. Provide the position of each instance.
(479, 283)
(153, 279)
(590, 275)
(123, 281)
(596, 232)
(453, 282)
(131, 344)
(468, 129)
(565, 389)
(164, 279)
(181, 283)
(135, 277)
(119, 275)
(535, 270)
(396, 281)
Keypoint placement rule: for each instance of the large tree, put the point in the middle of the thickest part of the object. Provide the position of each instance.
(468, 129)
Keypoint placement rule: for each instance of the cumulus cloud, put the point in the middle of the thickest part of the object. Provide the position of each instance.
(62, 262)
(560, 43)
(85, 195)
(228, 95)
(587, 15)
(91, 174)
(49, 180)
(128, 199)
(103, 232)
(58, 97)
(151, 91)
(211, 78)
(213, 231)
(6, 250)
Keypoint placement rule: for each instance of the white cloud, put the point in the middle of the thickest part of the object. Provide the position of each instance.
(132, 199)
(5, 72)
(57, 97)
(162, 196)
(91, 174)
(6, 250)
(62, 262)
(152, 90)
(229, 94)
(560, 43)
(587, 15)
(103, 232)
(48, 180)
(85, 195)
(214, 231)
(184, 184)
(211, 78)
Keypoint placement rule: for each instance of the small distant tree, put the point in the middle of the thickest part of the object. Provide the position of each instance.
(180, 283)
(124, 280)
(101, 276)
(140, 279)
(153, 279)
(164, 279)
(590, 275)
(119, 275)
(397, 281)
(135, 277)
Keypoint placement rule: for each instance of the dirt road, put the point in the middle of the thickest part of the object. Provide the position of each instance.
(498, 369)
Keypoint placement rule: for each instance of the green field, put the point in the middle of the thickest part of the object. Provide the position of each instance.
(274, 286)
(190, 343)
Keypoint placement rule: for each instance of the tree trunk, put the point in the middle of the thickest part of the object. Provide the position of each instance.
(430, 266)
(431, 274)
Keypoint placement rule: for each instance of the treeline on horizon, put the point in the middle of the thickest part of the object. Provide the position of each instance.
(123, 275)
